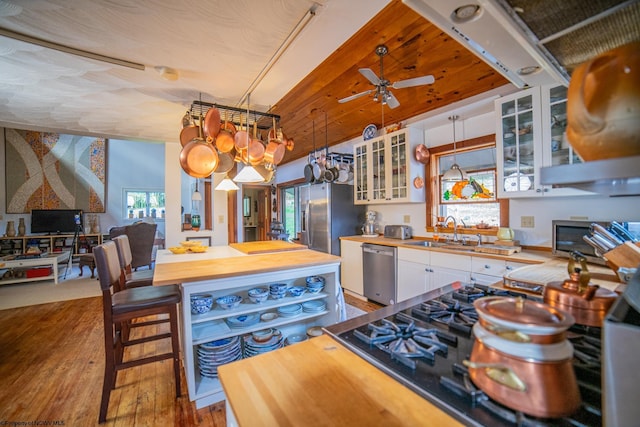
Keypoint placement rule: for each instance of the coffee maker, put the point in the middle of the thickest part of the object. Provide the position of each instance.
(370, 228)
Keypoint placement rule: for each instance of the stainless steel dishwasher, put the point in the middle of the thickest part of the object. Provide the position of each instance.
(379, 273)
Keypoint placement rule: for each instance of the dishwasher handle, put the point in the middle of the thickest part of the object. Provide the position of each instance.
(376, 250)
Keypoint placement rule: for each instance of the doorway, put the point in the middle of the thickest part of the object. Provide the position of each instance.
(255, 212)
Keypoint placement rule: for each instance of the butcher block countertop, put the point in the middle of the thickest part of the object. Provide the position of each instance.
(319, 382)
(226, 261)
(266, 246)
(526, 257)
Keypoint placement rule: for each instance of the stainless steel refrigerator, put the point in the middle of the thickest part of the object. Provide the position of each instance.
(327, 212)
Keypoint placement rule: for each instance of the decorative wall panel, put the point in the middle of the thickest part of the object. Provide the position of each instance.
(54, 171)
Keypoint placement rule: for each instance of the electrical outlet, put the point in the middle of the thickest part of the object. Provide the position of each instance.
(527, 222)
(220, 219)
(407, 219)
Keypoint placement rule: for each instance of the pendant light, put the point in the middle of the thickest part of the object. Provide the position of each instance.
(454, 173)
(248, 172)
(227, 185)
(196, 196)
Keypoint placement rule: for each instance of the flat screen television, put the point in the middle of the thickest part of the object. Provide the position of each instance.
(55, 221)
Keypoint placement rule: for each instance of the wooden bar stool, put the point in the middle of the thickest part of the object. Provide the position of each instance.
(131, 279)
(124, 306)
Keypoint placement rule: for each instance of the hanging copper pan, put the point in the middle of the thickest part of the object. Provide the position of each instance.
(274, 153)
(256, 147)
(224, 141)
(241, 138)
(422, 154)
(189, 132)
(225, 163)
(198, 158)
(212, 123)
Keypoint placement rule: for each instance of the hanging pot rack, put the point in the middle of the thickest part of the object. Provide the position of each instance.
(264, 121)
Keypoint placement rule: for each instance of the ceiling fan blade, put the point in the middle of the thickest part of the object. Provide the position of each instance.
(370, 75)
(392, 101)
(418, 81)
(357, 95)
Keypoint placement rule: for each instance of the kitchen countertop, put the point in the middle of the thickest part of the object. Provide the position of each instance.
(527, 257)
(319, 382)
(224, 261)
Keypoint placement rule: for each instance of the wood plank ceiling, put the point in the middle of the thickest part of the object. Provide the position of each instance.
(416, 48)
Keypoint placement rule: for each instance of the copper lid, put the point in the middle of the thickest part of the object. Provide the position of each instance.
(523, 314)
(592, 298)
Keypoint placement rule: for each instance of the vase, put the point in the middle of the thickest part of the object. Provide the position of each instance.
(21, 227)
(11, 229)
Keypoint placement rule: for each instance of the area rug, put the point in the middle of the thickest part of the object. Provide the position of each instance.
(354, 311)
(46, 291)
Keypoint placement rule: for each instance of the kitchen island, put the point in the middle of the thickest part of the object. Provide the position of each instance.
(320, 383)
(227, 270)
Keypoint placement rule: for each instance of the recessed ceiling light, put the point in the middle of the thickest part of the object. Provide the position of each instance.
(167, 73)
(531, 69)
(466, 13)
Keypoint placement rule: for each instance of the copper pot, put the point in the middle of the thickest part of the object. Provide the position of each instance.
(603, 105)
(538, 380)
(587, 303)
(521, 357)
(274, 153)
(224, 141)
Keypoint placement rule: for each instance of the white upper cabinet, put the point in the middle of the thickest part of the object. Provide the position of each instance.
(530, 134)
(385, 169)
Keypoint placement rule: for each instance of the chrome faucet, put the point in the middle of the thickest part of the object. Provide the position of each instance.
(479, 239)
(455, 227)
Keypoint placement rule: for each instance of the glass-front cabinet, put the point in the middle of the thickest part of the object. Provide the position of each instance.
(519, 136)
(385, 170)
(531, 134)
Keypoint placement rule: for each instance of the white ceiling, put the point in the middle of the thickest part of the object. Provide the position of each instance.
(218, 48)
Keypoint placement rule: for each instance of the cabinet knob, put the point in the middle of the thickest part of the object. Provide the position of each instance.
(487, 266)
(508, 267)
(538, 190)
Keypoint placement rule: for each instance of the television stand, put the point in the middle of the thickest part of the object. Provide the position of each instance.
(31, 267)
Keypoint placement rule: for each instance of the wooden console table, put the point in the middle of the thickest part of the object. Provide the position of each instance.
(52, 260)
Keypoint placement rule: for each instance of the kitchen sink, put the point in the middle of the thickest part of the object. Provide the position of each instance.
(425, 244)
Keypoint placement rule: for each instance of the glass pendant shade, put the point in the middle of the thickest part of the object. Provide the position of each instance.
(454, 173)
(196, 196)
(248, 174)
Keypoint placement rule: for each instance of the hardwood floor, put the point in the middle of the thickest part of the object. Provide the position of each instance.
(52, 363)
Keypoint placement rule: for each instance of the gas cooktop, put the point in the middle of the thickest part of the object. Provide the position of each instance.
(423, 342)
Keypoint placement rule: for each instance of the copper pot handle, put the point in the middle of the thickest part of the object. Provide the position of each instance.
(499, 373)
(508, 334)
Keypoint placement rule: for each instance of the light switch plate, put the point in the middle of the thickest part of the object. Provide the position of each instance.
(527, 222)
(407, 219)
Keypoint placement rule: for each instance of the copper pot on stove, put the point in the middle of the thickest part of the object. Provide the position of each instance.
(521, 357)
(586, 302)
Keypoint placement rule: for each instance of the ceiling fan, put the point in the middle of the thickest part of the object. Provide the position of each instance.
(382, 85)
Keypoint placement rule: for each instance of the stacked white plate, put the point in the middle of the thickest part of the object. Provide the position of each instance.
(215, 353)
(253, 348)
(290, 310)
(243, 321)
(314, 306)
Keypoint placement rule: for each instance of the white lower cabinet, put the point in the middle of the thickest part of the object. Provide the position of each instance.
(447, 268)
(414, 273)
(351, 275)
(212, 326)
(486, 271)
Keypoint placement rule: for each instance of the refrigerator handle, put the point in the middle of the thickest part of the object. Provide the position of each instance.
(306, 224)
